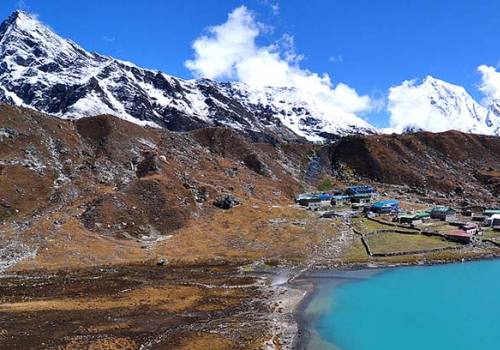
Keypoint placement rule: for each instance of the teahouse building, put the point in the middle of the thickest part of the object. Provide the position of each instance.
(339, 200)
(459, 236)
(470, 227)
(413, 218)
(442, 212)
(306, 198)
(363, 189)
(494, 221)
(361, 198)
(385, 206)
(490, 212)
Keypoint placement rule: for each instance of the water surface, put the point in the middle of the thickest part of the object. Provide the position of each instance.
(455, 306)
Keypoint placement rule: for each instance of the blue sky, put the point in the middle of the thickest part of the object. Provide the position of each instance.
(368, 45)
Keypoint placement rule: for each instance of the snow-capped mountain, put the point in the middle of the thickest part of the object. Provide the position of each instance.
(436, 105)
(41, 70)
(493, 117)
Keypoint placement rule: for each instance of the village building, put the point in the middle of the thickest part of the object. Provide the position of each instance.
(442, 212)
(304, 201)
(303, 196)
(413, 218)
(494, 221)
(478, 217)
(306, 198)
(470, 227)
(385, 206)
(459, 236)
(361, 198)
(336, 192)
(340, 200)
(363, 189)
(490, 212)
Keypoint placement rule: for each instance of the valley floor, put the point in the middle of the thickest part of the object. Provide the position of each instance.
(246, 304)
(114, 236)
(147, 307)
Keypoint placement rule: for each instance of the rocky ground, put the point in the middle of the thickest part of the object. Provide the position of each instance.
(115, 236)
(209, 307)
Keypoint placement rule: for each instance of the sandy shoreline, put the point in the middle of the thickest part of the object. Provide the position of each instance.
(285, 300)
(303, 323)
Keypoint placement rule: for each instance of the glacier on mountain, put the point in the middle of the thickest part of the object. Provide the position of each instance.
(41, 70)
(435, 105)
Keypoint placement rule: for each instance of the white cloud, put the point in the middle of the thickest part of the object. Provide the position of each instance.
(336, 59)
(217, 53)
(409, 107)
(230, 51)
(109, 38)
(275, 8)
(490, 83)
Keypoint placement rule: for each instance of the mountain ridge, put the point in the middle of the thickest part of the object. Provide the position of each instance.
(437, 106)
(41, 70)
(53, 75)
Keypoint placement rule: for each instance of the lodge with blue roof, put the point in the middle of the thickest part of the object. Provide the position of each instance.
(385, 206)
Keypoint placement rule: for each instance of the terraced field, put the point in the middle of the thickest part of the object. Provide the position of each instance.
(391, 242)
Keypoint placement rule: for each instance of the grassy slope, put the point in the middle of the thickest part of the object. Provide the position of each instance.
(395, 242)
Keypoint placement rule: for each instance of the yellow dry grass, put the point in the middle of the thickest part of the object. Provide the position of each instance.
(110, 343)
(168, 298)
(252, 231)
(399, 243)
(72, 246)
(203, 341)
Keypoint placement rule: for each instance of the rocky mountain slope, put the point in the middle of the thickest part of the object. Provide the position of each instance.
(117, 186)
(121, 189)
(451, 163)
(39, 69)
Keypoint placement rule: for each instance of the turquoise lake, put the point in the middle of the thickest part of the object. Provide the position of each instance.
(455, 306)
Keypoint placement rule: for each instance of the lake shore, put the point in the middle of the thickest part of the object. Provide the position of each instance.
(304, 316)
(309, 284)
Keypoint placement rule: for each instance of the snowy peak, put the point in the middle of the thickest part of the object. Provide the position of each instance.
(23, 21)
(15, 19)
(439, 90)
(41, 70)
(436, 105)
(452, 101)
(26, 42)
(493, 117)
(24, 32)
(297, 113)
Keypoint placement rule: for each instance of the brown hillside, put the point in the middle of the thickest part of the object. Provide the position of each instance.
(102, 190)
(445, 162)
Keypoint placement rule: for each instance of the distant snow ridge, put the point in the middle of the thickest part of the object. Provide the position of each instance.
(41, 70)
(435, 105)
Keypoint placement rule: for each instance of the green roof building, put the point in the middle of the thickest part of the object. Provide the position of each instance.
(413, 218)
(442, 212)
(490, 212)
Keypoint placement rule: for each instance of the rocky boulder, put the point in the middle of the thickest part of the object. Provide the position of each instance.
(226, 201)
